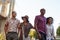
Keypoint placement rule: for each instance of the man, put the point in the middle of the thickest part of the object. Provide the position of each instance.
(40, 24)
(11, 27)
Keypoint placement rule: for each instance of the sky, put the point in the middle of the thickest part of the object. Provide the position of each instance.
(32, 8)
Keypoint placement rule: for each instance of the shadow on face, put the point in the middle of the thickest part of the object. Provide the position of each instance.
(42, 11)
(49, 20)
(24, 20)
(14, 14)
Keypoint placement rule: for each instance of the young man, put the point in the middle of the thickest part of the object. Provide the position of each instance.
(11, 27)
(40, 25)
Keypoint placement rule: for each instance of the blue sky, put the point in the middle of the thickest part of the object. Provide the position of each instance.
(32, 8)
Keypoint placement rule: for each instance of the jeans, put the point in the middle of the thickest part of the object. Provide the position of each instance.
(43, 36)
(50, 39)
(11, 36)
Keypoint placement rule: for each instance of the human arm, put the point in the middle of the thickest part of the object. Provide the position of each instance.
(35, 26)
(53, 33)
(19, 28)
(6, 26)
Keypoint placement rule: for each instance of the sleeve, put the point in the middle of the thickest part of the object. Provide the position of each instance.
(7, 23)
(21, 24)
(35, 21)
(31, 25)
(21, 32)
(53, 30)
(45, 27)
(18, 24)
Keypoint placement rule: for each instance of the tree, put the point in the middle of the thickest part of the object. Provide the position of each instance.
(58, 31)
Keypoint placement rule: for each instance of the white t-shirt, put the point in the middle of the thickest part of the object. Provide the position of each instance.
(50, 32)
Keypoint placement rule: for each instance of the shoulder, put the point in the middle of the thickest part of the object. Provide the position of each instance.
(30, 24)
(21, 24)
(8, 19)
(37, 15)
(45, 17)
(17, 20)
(52, 26)
(46, 25)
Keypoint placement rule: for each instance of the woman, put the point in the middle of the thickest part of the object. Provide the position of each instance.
(50, 29)
(26, 26)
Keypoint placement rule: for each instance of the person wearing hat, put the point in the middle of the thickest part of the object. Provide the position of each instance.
(26, 26)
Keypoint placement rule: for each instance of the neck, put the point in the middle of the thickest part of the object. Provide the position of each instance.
(13, 18)
(49, 24)
(25, 22)
(42, 15)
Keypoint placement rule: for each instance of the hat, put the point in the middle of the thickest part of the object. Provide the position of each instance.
(25, 17)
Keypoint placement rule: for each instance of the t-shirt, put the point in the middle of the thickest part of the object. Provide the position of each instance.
(12, 24)
(26, 29)
(50, 31)
(40, 22)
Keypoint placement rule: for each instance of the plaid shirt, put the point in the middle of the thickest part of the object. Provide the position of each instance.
(40, 22)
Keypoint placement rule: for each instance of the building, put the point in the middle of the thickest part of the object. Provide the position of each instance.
(6, 7)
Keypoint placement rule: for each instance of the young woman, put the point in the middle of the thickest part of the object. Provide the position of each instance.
(50, 29)
(26, 26)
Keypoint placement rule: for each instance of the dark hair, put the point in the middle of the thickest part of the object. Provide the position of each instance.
(48, 20)
(13, 12)
(25, 18)
(42, 9)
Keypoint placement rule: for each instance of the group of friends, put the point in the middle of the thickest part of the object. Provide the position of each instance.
(44, 27)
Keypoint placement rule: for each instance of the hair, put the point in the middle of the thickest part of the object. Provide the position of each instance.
(42, 9)
(48, 20)
(25, 18)
(13, 12)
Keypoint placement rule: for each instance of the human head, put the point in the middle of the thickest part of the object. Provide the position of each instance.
(49, 20)
(13, 14)
(25, 18)
(42, 11)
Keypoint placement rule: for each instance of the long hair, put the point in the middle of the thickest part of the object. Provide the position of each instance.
(27, 20)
